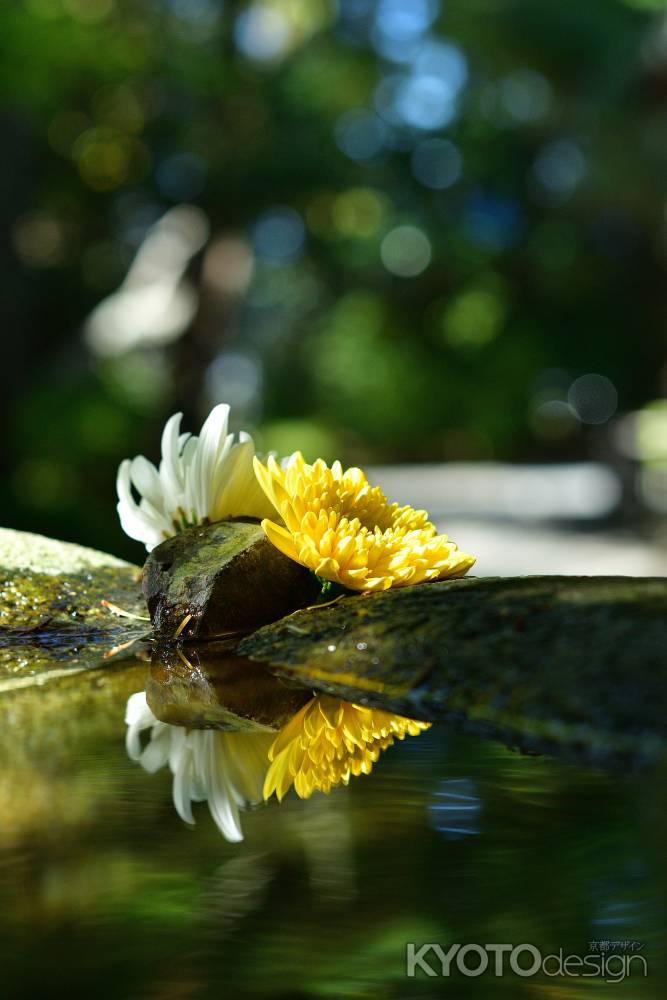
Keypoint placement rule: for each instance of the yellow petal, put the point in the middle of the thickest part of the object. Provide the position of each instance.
(281, 538)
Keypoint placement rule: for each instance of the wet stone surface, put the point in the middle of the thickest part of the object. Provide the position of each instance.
(575, 665)
(566, 665)
(222, 578)
(51, 615)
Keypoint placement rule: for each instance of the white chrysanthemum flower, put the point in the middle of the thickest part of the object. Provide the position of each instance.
(227, 769)
(201, 479)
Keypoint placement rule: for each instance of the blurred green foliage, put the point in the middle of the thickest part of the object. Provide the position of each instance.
(426, 221)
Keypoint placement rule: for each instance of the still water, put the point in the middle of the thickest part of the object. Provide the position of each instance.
(110, 891)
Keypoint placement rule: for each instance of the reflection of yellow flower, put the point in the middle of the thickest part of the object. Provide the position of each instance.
(327, 741)
(346, 531)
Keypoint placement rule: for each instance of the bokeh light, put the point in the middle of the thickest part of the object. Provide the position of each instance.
(526, 95)
(475, 316)
(593, 398)
(406, 251)
(424, 230)
(359, 212)
(436, 163)
(360, 134)
(560, 167)
(262, 33)
(278, 235)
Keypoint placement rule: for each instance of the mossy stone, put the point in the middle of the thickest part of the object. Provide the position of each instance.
(572, 664)
(224, 577)
(52, 619)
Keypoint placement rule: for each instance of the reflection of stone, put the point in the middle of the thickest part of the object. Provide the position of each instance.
(226, 769)
(322, 745)
(207, 686)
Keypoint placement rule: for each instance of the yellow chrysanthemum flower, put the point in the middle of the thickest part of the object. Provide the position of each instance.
(346, 531)
(327, 741)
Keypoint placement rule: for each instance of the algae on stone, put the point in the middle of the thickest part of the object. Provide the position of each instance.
(223, 577)
(51, 616)
(572, 664)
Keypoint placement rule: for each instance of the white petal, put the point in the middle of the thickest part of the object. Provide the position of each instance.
(171, 472)
(138, 717)
(206, 477)
(156, 753)
(214, 428)
(136, 521)
(181, 789)
(138, 712)
(179, 747)
(146, 480)
(222, 806)
(211, 447)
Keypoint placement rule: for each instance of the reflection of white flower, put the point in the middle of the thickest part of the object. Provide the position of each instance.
(200, 479)
(225, 768)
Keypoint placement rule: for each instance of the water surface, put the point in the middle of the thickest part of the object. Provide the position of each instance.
(107, 892)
